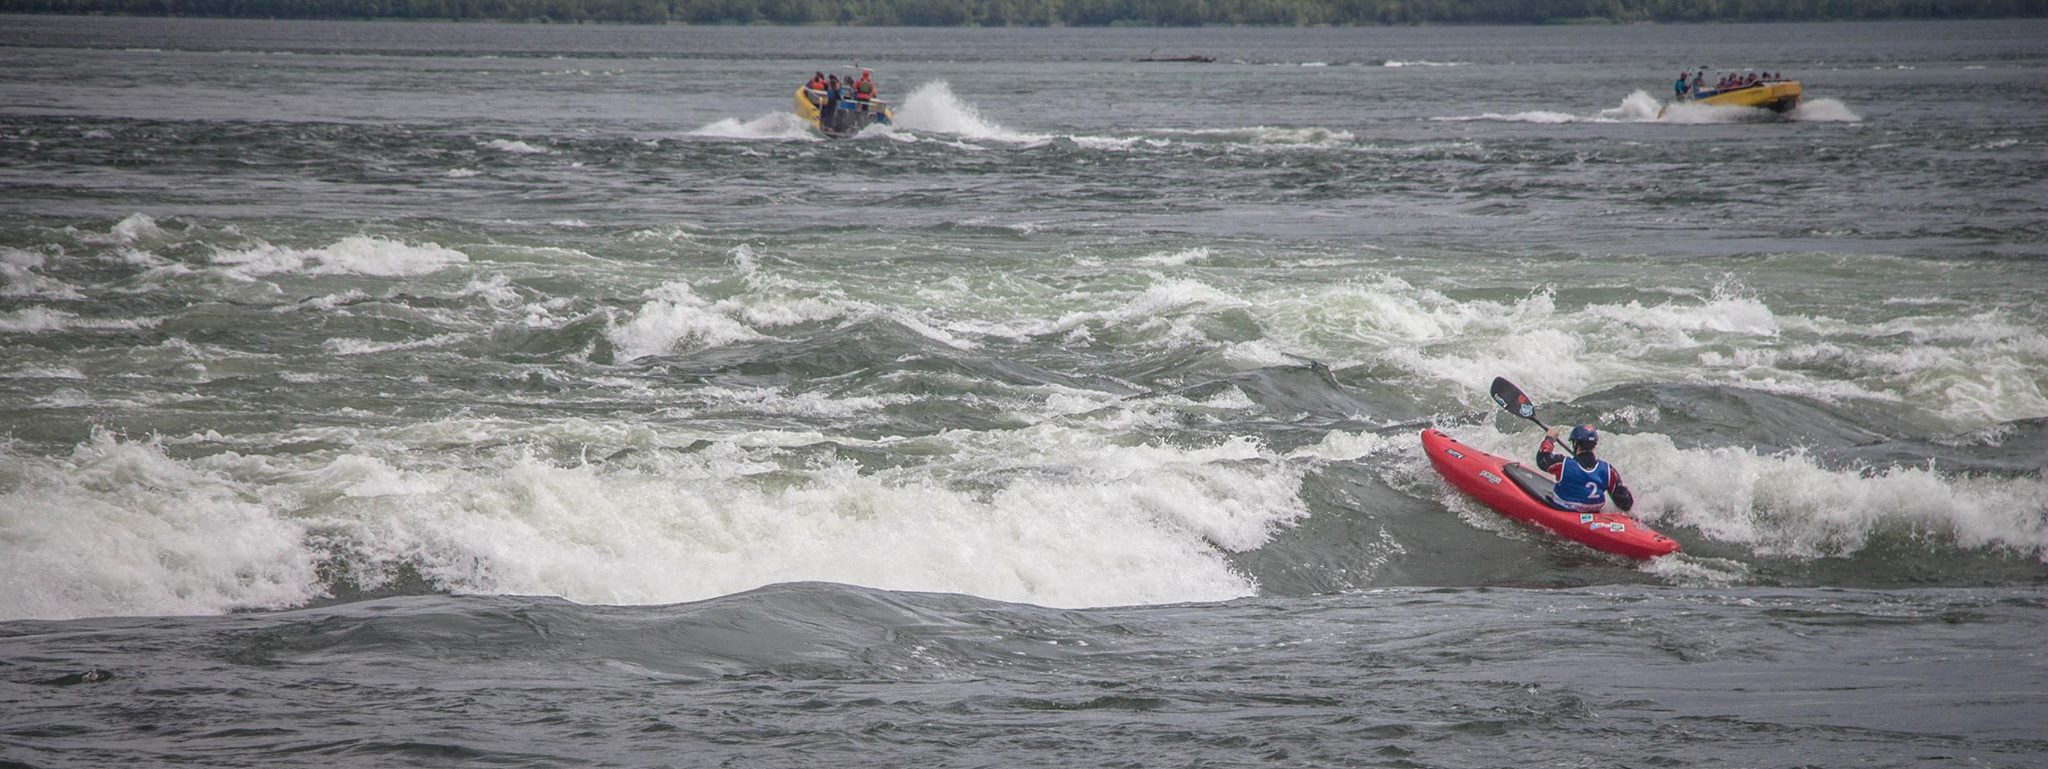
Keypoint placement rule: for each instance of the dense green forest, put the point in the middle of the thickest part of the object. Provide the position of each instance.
(1055, 12)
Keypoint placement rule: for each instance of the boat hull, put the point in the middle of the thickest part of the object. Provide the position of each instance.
(1501, 486)
(848, 119)
(1778, 96)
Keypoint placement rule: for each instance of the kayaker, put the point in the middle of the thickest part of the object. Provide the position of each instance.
(1584, 482)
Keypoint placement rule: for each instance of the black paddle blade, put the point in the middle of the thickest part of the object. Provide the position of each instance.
(1510, 398)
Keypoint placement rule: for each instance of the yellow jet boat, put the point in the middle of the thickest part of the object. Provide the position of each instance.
(1773, 95)
(839, 118)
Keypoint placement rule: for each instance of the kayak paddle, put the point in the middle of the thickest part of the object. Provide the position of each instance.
(1510, 399)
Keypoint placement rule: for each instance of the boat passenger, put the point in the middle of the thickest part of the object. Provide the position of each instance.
(865, 89)
(1678, 87)
(1584, 482)
(831, 99)
(817, 82)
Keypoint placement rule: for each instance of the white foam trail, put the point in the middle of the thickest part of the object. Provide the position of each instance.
(1532, 116)
(933, 107)
(1823, 111)
(1176, 258)
(1637, 107)
(1267, 135)
(356, 254)
(1422, 63)
(38, 320)
(345, 346)
(514, 146)
(774, 125)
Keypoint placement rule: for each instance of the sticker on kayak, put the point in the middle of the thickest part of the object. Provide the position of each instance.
(1613, 526)
(1454, 452)
(1490, 477)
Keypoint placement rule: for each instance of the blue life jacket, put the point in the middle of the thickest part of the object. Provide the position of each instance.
(1581, 489)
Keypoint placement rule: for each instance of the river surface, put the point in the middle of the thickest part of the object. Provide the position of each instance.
(391, 394)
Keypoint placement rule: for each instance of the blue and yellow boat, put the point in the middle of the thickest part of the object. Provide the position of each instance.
(1773, 95)
(838, 118)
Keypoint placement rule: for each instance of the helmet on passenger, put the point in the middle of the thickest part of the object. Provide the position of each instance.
(1584, 438)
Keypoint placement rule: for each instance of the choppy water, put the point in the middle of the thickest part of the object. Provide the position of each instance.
(420, 394)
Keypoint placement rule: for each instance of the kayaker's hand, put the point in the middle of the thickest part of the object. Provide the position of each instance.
(1552, 432)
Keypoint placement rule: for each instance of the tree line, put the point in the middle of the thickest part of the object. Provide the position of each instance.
(1000, 13)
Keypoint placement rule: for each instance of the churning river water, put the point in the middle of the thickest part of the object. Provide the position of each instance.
(392, 394)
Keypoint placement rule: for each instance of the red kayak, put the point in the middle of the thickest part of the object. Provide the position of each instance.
(1519, 492)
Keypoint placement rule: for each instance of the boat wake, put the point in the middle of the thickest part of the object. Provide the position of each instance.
(1823, 111)
(774, 125)
(934, 108)
(933, 113)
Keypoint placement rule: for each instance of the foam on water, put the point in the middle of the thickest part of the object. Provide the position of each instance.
(1164, 313)
(1260, 136)
(135, 228)
(1068, 516)
(1176, 258)
(1823, 111)
(21, 276)
(119, 528)
(933, 107)
(1637, 107)
(514, 147)
(356, 254)
(1532, 116)
(42, 320)
(774, 125)
(675, 318)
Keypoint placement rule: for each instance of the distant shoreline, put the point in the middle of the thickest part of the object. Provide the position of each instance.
(1030, 13)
